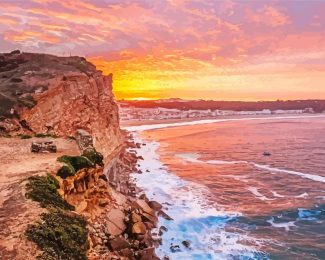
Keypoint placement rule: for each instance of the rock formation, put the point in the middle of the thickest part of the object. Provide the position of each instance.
(66, 97)
(58, 95)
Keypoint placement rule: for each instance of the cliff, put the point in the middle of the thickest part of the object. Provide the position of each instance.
(41, 93)
(65, 203)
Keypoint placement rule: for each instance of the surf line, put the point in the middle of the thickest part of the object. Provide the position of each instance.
(268, 168)
(141, 128)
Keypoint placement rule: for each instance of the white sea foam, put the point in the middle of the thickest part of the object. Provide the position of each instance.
(257, 194)
(268, 168)
(140, 128)
(277, 195)
(285, 225)
(303, 195)
(195, 219)
(313, 177)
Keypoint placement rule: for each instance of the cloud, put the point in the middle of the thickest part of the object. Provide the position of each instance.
(268, 15)
(164, 44)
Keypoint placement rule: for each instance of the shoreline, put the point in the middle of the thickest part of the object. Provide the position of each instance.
(180, 207)
(187, 205)
(157, 124)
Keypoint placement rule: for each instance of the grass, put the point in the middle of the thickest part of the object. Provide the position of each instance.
(60, 235)
(43, 189)
(66, 171)
(94, 156)
(72, 165)
(41, 135)
(23, 136)
(90, 158)
(77, 162)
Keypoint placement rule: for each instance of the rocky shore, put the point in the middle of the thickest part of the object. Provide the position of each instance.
(120, 220)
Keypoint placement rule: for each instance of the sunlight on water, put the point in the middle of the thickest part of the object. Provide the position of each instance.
(227, 199)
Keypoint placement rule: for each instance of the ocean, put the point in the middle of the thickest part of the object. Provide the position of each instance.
(237, 188)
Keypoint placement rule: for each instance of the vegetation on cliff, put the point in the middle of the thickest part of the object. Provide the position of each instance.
(60, 235)
(94, 156)
(90, 158)
(43, 189)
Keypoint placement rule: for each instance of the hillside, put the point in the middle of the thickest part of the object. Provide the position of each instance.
(75, 201)
(41, 93)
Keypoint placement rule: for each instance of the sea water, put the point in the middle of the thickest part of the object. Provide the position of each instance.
(229, 200)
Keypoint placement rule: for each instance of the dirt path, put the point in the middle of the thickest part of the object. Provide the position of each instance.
(16, 164)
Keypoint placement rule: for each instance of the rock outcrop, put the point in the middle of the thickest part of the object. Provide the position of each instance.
(69, 101)
(58, 95)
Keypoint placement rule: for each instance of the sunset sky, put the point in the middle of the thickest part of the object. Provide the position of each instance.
(207, 49)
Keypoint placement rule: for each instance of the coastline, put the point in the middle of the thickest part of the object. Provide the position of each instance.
(134, 126)
(184, 234)
(119, 217)
(188, 196)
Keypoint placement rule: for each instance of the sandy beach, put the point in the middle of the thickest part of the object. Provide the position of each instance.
(129, 123)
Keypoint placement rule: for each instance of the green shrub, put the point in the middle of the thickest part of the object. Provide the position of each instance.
(41, 135)
(23, 136)
(77, 162)
(94, 156)
(60, 235)
(43, 189)
(66, 171)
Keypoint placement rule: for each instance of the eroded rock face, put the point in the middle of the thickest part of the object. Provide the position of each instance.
(80, 102)
(58, 95)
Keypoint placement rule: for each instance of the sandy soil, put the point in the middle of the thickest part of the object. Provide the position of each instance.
(16, 212)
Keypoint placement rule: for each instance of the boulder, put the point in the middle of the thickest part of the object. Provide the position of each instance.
(164, 215)
(151, 218)
(84, 139)
(143, 205)
(139, 228)
(136, 217)
(174, 248)
(43, 147)
(119, 243)
(155, 205)
(148, 254)
(186, 243)
(115, 222)
(162, 229)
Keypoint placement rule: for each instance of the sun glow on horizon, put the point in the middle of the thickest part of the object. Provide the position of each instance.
(220, 50)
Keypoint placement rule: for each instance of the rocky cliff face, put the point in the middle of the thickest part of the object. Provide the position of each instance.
(58, 95)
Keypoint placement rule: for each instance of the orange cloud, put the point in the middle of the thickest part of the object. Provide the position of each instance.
(186, 48)
(268, 15)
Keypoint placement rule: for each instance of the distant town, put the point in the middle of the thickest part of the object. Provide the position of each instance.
(182, 109)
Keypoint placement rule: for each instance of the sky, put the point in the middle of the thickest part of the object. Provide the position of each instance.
(191, 49)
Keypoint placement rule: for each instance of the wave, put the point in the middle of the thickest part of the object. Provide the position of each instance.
(194, 218)
(268, 168)
(257, 194)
